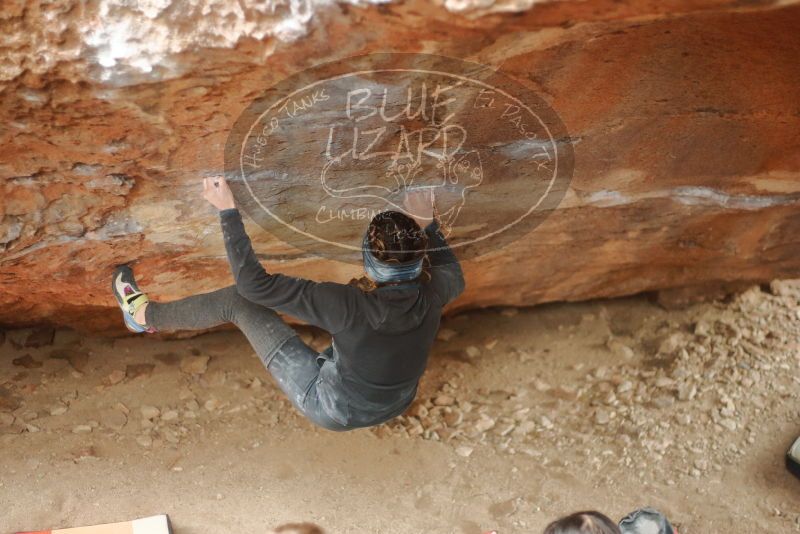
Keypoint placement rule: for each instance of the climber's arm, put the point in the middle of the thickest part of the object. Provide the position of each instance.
(324, 304)
(447, 278)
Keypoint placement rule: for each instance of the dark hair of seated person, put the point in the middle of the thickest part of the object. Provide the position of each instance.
(589, 522)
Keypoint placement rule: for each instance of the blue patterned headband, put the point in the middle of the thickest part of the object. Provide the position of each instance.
(382, 271)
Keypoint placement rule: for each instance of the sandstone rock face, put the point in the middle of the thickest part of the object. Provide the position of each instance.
(683, 116)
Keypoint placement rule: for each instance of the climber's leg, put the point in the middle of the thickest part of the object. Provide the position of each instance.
(292, 363)
(264, 329)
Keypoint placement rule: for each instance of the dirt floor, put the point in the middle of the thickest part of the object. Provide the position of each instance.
(523, 415)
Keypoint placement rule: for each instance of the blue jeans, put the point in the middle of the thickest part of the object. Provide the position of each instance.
(294, 365)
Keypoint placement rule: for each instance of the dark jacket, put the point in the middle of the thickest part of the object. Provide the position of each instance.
(381, 339)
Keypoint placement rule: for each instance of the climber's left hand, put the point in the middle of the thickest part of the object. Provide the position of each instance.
(216, 191)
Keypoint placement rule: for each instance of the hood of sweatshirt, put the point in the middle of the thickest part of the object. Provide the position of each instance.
(396, 309)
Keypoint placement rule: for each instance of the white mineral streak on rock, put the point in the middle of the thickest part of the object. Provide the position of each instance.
(691, 196)
(119, 35)
(122, 36)
(780, 189)
(147, 33)
(477, 8)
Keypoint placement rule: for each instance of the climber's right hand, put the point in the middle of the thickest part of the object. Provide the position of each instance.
(420, 205)
(218, 193)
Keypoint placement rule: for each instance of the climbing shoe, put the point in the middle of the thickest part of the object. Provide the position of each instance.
(129, 297)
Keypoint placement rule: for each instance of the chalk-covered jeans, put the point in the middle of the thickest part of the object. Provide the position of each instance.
(294, 365)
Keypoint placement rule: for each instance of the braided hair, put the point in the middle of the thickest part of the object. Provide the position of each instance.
(393, 236)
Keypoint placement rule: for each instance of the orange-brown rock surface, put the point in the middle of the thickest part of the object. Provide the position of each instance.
(684, 118)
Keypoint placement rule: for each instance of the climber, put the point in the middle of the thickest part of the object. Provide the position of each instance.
(382, 325)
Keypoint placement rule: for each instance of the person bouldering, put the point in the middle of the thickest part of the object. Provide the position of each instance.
(382, 326)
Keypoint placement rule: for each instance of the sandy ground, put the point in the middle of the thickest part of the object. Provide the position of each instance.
(523, 415)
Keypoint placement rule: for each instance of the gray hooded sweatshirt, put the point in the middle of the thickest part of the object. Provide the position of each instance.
(381, 338)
